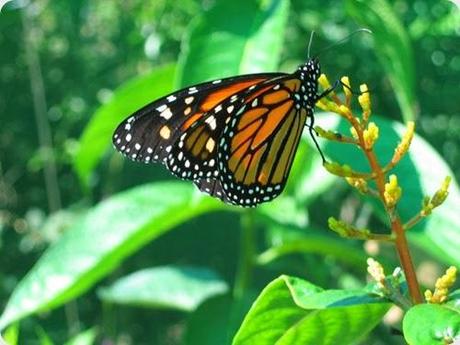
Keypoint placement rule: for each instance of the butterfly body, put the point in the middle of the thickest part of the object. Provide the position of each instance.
(235, 138)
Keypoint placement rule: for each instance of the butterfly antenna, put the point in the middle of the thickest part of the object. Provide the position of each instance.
(309, 44)
(346, 38)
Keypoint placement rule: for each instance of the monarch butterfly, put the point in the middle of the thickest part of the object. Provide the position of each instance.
(235, 138)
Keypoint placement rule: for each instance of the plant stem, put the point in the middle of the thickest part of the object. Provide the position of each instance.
(413, 221)
(247, 254)
(406, 261)
(402, 246)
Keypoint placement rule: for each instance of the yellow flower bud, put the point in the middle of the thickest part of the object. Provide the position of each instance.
(339, 170)
(354, 133)
(365, 101)
(346, 87)
(359, 183)
(392, 192)
(321, 104)
(404, 144)
(443, 284)
(440, 196)
(327, 105)
(428, 296)
(370, 135)
(345, 111)
(337, 226)
(346, 230)
(324, 82)
(375, 269)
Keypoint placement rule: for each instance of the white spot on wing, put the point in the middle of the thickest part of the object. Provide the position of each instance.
(166, 114)
(212, 122)
(161, 108)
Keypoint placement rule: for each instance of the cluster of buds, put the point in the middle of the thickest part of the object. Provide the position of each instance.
(389, 286)
(429, 203)
(375, 270)
(442, 286)
(365, 134)
(438, 198)
(377, 183)
(346, 230)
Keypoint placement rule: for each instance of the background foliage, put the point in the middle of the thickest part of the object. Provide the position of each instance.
(120, 253)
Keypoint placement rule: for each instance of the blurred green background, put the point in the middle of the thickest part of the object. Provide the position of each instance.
(160, 263)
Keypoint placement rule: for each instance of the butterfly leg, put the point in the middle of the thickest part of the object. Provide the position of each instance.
(328, 91)
(312, 131)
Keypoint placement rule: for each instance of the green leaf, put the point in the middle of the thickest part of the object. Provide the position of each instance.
(87, 337)
(209, 324)
(11, 334)
(170, 287)
(313, 241)
(97, 136)
(98, 243)
(431, 324)
(216, 320)
(227, 41)
(393, 48)
(454, 300)
(420, 173)
(293, 311)
(284, 210)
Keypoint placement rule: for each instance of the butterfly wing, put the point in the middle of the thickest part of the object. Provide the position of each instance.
(257, 148)
(149, 134)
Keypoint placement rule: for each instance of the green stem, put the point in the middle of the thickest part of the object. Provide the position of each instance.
(37, 87)
(247, 254)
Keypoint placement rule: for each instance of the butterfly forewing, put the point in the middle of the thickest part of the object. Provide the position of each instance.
(149, 134)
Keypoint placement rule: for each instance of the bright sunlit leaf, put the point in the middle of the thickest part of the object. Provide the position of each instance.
(170, 287)
(97, 244)
(293, 311)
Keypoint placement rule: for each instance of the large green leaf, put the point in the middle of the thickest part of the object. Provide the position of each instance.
(170, 287)
(292, 311)
(129, 97)
(393, 48)
(96, 245)
(431, 324)
(419, 173)
(228, 40)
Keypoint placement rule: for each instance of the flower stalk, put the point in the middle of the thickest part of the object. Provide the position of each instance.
(365, 134)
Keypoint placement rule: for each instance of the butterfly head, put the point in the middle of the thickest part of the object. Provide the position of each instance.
(309, 74)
